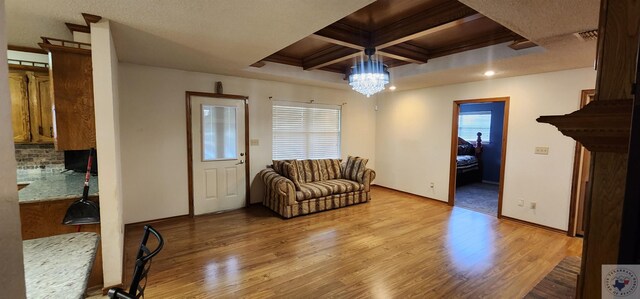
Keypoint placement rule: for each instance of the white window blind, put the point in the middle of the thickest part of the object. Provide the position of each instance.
(305, 131)
(470, 123)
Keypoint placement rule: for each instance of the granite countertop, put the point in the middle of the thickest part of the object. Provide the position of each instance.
(47, 185)
(59, 266)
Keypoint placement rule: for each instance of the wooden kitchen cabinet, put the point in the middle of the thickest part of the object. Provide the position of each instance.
(19, 107)
(31, 115)
(40, 108)
(71, 79)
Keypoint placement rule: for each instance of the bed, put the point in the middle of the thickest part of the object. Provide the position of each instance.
(468, 162)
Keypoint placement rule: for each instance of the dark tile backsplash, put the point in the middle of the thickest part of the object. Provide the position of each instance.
(38, 156)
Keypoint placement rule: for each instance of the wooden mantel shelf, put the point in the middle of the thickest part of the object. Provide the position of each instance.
(601, 126)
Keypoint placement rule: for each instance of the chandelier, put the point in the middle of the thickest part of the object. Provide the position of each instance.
(368, 77)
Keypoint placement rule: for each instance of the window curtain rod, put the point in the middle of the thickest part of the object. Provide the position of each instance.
(309, 102)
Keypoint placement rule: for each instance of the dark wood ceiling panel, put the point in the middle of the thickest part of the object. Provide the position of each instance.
(385, 12)
(305, 48)
(401, 31)
(482, 26)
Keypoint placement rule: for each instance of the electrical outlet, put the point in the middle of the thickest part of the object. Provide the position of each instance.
(521, 203)
(533, 205)
(542, 150)
(432, 185)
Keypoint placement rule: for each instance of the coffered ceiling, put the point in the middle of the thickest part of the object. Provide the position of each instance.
(313, 42)
(402, 31)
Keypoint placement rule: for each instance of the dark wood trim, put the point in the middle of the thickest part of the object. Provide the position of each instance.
(26, 49)
(454, 147)
(406, 52)
(553, 229)
(258, 64)
(19, 67)
(329, 56)
(188, 95)
(480, 42)
(344, 35)
(573, 207)
(412, 194)
(453, 153)
(78, 28)
(441, 17)
(278, 58)
(89, 18)
(189, 153)
(53, 48)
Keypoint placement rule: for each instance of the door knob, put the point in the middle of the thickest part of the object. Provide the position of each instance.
(241, 154)
(241, 162)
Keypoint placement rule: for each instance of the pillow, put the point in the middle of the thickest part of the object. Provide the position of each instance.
(292, 174)
(354, 168)
(465, 148)
(280, 166)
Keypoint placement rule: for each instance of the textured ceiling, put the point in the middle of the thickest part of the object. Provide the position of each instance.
(200, 35)
(226, 36)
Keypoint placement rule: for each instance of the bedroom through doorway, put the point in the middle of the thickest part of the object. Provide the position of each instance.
(478, 148)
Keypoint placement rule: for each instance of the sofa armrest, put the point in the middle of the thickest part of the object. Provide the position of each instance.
(283, 186)
(367, 178)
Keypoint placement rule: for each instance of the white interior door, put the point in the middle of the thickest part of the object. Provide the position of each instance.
(218, 137)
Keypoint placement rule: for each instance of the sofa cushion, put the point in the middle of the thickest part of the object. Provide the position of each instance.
(329, 169)
(292, 174)
(308, 170)
(344, 186)
(313, 190)
(354, 169)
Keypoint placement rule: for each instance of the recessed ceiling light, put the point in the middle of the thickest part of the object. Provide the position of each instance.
(489, 73)
(392, 87)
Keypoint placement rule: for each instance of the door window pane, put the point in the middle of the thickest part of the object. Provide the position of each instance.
(219, 133)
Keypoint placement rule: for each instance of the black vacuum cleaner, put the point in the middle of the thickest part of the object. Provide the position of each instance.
(83, 211)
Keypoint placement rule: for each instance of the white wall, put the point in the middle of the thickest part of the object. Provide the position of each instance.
(106, 101)
(153, 136)
(413, 140)
(11, 266)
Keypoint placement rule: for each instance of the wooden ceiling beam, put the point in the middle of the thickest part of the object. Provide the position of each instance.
(441, 17)
(484, 41)
(329, 56)
(279, 58)
(344, 35)
(406, 52)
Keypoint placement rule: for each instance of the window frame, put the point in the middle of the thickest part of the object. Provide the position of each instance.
(475, 138)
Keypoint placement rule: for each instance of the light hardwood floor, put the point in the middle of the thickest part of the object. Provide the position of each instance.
(396, 246)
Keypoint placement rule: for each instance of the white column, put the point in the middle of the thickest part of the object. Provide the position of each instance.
(106, 104)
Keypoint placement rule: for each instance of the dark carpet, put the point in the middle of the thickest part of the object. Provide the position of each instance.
(560, 282)
(479, 197)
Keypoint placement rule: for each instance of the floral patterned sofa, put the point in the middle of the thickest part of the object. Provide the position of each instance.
(299, 187)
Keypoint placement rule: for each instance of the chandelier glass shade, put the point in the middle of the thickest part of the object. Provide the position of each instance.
(369, 77)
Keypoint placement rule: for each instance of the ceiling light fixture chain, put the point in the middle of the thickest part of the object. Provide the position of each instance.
(369, 77)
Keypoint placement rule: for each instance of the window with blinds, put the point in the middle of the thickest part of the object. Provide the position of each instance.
(305, 131)
(470, 123)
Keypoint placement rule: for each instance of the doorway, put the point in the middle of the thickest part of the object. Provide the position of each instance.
(218, 152)
(581, 174)
(478, 151)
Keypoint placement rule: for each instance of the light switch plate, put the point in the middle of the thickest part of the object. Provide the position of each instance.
(542, 150)
(254, 142)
